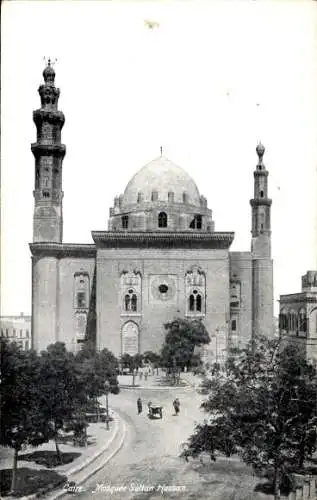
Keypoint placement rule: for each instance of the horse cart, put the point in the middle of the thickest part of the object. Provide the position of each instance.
(155, 410)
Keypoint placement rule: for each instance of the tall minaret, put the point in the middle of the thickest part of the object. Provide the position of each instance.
(49, 153)
(262, 264)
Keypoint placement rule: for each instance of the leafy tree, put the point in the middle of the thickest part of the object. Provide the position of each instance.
(132, 362)
(182, 337)
(94, 369)
(62, 391)
(21, 412)
(263, 408)
(153, 358)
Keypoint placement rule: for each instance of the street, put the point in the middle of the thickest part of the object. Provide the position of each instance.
(148, 465)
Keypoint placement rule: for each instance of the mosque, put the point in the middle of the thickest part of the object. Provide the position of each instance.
(160, 258)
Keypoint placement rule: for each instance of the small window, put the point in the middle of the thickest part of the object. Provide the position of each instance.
(261, 194)
(2, 332)
(162, 219)
(195, 302)
(7, 332)
(196, 223)
(125, 221)
(27, 333)
(81, 299)
(234, 325)
(192, 303)
(163, 288)
(27, 345)
(45, 194)
(131, 301)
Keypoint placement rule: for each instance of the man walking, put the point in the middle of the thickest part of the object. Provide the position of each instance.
(139, 405)
(176, 405)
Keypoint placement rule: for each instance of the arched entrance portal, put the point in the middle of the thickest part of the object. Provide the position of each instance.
(130, 338)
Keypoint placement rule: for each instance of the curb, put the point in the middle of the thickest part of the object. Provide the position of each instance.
(61, 493)
(80, 467)
(97, 454)
(155, 387)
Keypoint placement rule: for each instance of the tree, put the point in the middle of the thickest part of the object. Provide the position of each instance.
(21, 412)
(263, 408)
(182, 337)
(153, 358)
(62, 391)
(94, 368)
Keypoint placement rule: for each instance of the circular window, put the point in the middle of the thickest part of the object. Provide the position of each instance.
(195, 291)
(130, 291)
(163, 288)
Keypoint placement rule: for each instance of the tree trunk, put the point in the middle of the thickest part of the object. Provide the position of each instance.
(58, 452)
(14, 471)
(276, 483)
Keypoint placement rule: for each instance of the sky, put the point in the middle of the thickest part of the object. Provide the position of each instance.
(207, 83)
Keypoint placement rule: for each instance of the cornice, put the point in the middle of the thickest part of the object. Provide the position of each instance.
(60, 250)
(166, 239)
(260, 173)
(301, 297)
(255, 202)
(39, 149)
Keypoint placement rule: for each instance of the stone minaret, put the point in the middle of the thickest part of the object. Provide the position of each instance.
(49, 153)
(262, 264)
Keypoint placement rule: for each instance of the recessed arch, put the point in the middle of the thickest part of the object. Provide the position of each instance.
(162, 219)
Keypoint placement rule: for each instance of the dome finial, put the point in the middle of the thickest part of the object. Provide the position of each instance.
(260, 150)
(161, 150)
(49, 73)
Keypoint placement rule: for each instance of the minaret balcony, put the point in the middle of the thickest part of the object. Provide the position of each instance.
(39, 149)
(41, 115)
(255, 202)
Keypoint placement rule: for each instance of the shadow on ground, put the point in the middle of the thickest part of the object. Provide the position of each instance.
(30, 481)
(48, 458)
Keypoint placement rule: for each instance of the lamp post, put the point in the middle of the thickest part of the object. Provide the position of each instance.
(107, 389)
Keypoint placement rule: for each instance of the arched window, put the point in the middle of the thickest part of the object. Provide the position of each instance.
(302, 321)
(283, 320)
(198, 303)
(125, 221)
(81, 292)
(195, 301)
(261, 194)
(130, 301)
(133, 302)
(196, 223)
(162, 219)
(191, 303)
(292, 321)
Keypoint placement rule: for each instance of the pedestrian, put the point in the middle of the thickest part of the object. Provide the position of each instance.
(176, 405)
(139, 405)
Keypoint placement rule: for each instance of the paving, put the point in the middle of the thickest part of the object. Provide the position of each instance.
(103, 444)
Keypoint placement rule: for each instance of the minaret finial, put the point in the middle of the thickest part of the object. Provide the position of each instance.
(49, 73)
(260, 150)
(161, 150)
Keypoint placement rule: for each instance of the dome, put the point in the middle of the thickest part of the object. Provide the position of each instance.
(163, 177)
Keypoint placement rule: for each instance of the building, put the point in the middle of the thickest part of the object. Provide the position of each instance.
(17, 329)
(298, 317)
(160, 258)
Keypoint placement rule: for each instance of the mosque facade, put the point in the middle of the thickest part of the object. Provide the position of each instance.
(160, 257)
